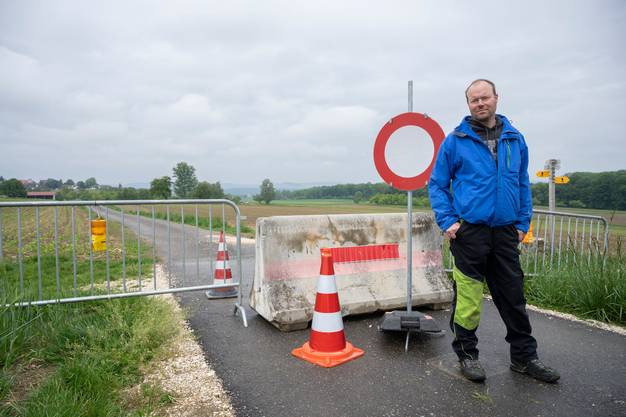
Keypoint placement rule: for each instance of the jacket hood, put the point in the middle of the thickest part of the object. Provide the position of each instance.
(465, 129)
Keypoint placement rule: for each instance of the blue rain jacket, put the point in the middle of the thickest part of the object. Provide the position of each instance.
(482, 192)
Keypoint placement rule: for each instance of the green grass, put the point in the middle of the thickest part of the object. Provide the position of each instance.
(314, 202)
(616, 218)
(340, 202)
(203, 222)
(587, 286)
(29, 288)
(483, 396)
(591, 287)
(81, 356)
(77, 359)
(190, 219)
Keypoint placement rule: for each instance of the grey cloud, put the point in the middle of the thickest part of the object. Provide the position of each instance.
(293, 91)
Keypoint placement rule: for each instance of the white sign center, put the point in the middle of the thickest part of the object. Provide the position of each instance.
(409, 151)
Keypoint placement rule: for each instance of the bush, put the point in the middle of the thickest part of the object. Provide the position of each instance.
(13, 188)
(398, 200)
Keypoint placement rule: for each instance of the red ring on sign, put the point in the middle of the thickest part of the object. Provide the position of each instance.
(406, 119)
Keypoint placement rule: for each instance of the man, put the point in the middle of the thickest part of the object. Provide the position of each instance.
(485, 215)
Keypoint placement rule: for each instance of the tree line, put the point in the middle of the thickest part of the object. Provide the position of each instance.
(374, 193)
(597, 190)
(182, 184)
(603, 190)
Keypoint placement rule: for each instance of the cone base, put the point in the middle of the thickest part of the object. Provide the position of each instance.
(229, 293)
(327, 359)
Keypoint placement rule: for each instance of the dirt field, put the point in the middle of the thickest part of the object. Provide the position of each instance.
(252, 211)
(616, 218)
(302, 207)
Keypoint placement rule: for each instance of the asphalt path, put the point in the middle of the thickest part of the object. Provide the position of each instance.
(264, 379)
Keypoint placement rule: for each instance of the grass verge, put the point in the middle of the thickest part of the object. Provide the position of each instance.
(203, 220)
(592, 287)
(76, 359)
(587, 286)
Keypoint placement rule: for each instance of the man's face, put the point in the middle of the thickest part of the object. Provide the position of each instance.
(482, 102)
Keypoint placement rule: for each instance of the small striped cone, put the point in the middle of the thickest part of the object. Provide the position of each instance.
(222, 274)
(327, 345)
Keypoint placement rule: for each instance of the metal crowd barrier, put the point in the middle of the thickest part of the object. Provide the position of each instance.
(34, 254)
(558, 239)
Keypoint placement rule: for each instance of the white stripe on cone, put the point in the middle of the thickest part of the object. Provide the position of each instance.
(221, 247)
(222, 264)
(327, 322)
(326, 284)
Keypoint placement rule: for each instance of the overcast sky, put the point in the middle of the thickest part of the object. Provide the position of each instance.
(297, 91)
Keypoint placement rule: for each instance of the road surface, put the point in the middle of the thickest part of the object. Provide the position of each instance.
(264, 379)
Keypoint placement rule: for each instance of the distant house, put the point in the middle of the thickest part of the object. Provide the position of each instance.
(46, 195)
(29, 183)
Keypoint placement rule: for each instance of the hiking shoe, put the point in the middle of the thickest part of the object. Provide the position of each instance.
(537, 370)
(472, 370)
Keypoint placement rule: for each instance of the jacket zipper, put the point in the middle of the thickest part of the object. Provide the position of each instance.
(495, 206)
(508, 155)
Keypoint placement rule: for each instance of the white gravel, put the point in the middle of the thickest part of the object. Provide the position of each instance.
(184, 373)
(588, 322)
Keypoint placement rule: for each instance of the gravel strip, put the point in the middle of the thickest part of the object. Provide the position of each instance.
(185, 374)
(588, 322)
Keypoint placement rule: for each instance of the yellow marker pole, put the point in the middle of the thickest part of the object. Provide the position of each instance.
(98, 235)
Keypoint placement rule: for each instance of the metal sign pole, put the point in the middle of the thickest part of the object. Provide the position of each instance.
(409, 234)
(409, 241)
(407, 320)
(552, 165)
(551, 192)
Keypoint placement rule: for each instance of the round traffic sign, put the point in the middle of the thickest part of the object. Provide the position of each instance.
(406, 119)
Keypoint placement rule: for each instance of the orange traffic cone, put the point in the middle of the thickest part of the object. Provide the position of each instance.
(223, 274)
(327, 344)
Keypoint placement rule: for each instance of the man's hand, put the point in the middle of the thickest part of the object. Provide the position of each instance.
(520, 235)
(451, 232)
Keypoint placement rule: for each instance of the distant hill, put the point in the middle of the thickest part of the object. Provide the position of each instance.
(247, 189)
(141, 185)
(252, 189)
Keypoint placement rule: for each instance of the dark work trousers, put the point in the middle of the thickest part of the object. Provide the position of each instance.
(489, 253)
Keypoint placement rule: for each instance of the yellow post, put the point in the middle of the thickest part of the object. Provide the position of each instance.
(98, 235)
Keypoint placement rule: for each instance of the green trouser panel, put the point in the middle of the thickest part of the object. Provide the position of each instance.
(469, 297)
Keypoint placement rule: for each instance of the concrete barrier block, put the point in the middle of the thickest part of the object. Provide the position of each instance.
(288, 263)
